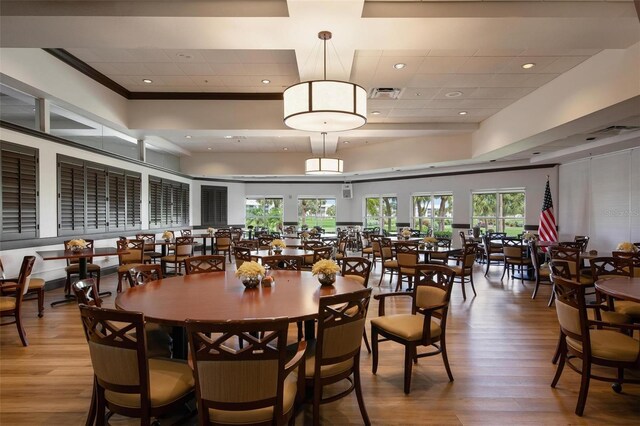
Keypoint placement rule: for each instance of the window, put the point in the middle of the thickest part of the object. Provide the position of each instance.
(432, 214)
(501, 211)
(264, 213)
(317, 212)
(19, 183)
(168, 203)
(17, 107)
(382, 212)
(213, 206)
(93, 198)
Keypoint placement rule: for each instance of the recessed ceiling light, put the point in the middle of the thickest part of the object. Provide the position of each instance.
(188, 136)
(418, 94)
(591, 138)
(492, 161)
(528, 65)
(209, 149)
(536, 153)
(399, 66)
(375, 112)
(345, 142)
(266, 81)
(147, 80)
(285, 149)
(228, 137)
(463, 113)
(453, 94)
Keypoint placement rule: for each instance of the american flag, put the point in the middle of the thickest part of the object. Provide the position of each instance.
(547, 227)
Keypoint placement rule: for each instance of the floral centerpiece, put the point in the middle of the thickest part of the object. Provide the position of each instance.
(627, 247)
(211, 231)
(250, 273)
(528, 236)
(326, 270)
(304, 235)
(314, 231)
(406, 233)
(77, 244)
(167, 235)
(277, 245)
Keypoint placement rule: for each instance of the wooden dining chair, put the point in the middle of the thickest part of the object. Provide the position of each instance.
(127, 381)
(541, 273)
(183, 250)
(407, 258)
(584, 340)
(264, 242)
(358, 269)
(492, 252)
(73, 267)
(341, 249)
(223, 244)
(464, 271)
(618, 311)
(257, 384)
(424, 326)
(130, 254)
(515, 255)
(335, 355)
(142, 274)
(11, 306)
(634, 257)
(9, 286)
(150, 253)
(572, 256)
(321, 253)
(441, 257)
(204, 264)
(282, 262)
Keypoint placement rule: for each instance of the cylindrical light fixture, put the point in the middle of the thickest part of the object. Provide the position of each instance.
(323, 165)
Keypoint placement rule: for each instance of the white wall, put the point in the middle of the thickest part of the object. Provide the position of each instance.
(48, 201)
(601, 199)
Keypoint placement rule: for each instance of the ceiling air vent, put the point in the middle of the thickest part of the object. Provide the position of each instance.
(615, 130)
(385, 93)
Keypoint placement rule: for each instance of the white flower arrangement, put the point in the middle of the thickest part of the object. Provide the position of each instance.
(211, 231)
(528, 236)
(250, 270)
(278, 243)
(325, 266)
(627, 247)
(78, 243)
(167, 235)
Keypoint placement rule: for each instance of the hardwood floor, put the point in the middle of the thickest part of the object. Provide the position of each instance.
(500, 345)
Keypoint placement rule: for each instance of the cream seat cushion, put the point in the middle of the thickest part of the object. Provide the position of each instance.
(391, 264)
(35, 283)
(610, 317)
(626, 307)
(458, 270)
(367, 250)
(356, 278)
(610, 345)
(7, 303)
(496, 256)
(125, 268)
(339, 256)
(325, 370)
(406, 326)
(168, 381)
(172, 258)
(261, 414)
(75, 268)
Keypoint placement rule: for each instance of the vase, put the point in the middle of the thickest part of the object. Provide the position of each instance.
(277, 250)
(76, 249)
(251, 282)
(326, 279)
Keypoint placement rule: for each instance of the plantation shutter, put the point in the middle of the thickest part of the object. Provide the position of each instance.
(96, 199)
(214, 206)
(185, 204)
(167, 199)
(116, 201)
(155, 202)
(133, 184)
(71, 196)
(19, 183)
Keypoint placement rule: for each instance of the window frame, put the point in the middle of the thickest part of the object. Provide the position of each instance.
(381, 218)
(171, 200)
(499, 217)
(316, 217)
(264, 217)
(431, 208)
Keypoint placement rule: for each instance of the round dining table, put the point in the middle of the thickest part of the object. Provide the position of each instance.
(624, 288)
(222, 296)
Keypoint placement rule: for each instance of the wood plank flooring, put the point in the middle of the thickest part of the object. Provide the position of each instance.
(500, 345)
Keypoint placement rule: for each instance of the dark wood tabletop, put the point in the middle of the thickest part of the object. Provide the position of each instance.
(69, 254)
(221, 296)
(287, 251)
(620, 287)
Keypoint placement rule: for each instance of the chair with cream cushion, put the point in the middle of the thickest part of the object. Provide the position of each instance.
(335, 355)
(407, 258)
(73, 267)
(282, 262)
(183, 250)
(132, 255)
(8, 287)
(242, 254)
(10, 306)
(387, 258)
(465, 270)
(541, 272)
(341, 249)
(142, 274)
(358, 269)
(204, 264)
(223, 243)
(492, 250)
(571, 255)
(127, 381)
(424, 326)
(592, 346)
(618, 311)
(253, 384)
(515, 255)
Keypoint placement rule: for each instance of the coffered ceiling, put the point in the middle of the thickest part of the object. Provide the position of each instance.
(455, 65)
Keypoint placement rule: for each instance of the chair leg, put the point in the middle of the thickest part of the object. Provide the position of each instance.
(562, 355)
(464, 293)
(487, 269)
(317, 397)
(67, 284)
(100, 406)
(21, 332)
(584, 387)
(119, 288)
(356, 382)
(409, 351)
(374, 349)
(381, 276)
(366, 340)
(91, 415)
(445, 358)
(98, 280)
(40, 302)
(505, 270)
(535, 289)
(553, 296)
(473, 288)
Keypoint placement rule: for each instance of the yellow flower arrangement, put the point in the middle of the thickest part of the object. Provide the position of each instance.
(528, 236)
(314, 231)
(627, 246)
(325, 266)
(304, 235)
(167, 235)
(430, 240)
(250, 270)
(211, 231)
(406, 232)
(77, 243)
(278, 243)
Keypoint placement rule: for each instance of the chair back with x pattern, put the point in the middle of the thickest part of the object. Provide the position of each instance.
(321, 253)
(86, 292)
(264, 242)
(133, 251)
(571, 310)
(605, 267)
(142, 274)
(242, 254)
(432, 287)
(204, 264)
(634, 257)
(569, 255)
(283, 262)
(229, 378)
(358, 268)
